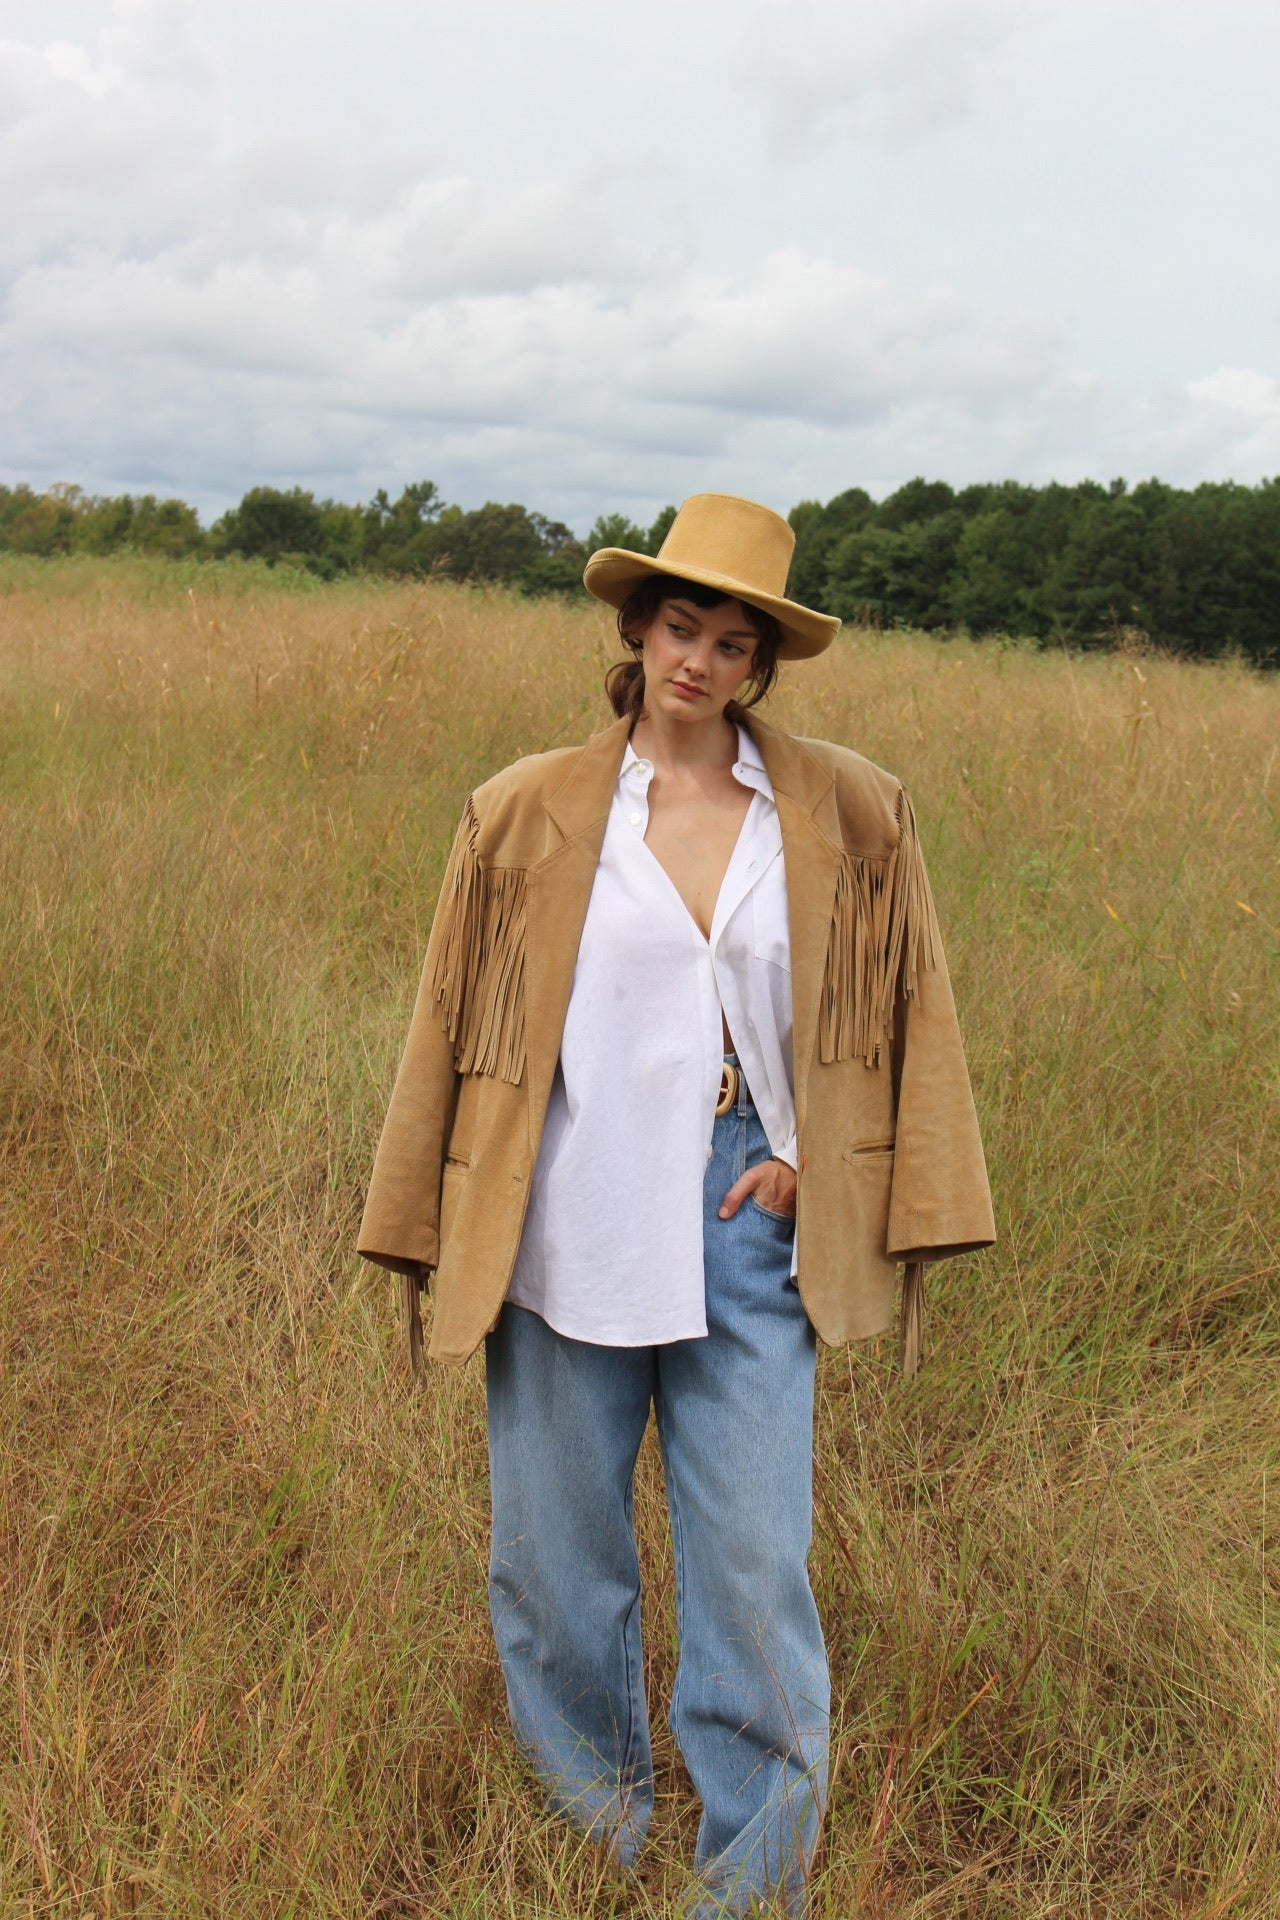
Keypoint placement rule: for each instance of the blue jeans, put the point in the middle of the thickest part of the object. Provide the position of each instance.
(734, 1414)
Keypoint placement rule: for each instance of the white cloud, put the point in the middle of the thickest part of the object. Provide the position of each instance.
(65, 61)
(252, 279)
(798, 338)
(1235, 421)
(1255, 395)
(898, 75)
(804, 338)
(190, 305)
(112, 150)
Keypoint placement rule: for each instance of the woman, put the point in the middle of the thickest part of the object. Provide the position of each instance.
(682, 1087)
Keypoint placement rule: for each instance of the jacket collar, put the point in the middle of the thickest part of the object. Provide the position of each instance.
(581, 801)
(790, 766)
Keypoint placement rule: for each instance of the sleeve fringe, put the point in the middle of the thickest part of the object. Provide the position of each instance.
(477, 983)
(911, 1320)
(411, 1310)
(883, 929)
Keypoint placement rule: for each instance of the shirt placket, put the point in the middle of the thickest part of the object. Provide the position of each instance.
(637, 775)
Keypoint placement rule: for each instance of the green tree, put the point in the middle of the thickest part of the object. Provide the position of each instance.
(616, 530)
(895, 578)
(819, 531)
(140, 524)
(492, 542)
(400, 536)
(1097, 582)
(40, 523)
(659, 530)
(918, 500)
(270, 522)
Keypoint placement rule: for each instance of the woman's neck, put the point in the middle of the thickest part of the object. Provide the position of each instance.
(675, 743)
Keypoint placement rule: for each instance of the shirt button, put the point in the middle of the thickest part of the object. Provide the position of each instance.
(636, 819)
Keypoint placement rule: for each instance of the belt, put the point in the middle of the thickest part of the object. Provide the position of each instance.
(731, 1083)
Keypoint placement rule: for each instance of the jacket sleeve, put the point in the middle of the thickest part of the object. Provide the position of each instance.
(940, 1202)
(401, 1224)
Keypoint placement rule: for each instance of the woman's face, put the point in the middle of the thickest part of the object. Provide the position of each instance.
(696, 658)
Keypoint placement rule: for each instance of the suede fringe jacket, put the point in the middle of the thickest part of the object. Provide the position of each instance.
(889, 1157)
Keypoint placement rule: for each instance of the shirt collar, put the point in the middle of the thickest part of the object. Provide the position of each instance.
(748, 769)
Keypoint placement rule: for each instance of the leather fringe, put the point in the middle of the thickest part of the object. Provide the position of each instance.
(911, 1319)
(411, 1313)
(478, 979)
(883, 929)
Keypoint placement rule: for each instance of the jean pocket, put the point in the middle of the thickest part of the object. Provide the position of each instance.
(782, 1219)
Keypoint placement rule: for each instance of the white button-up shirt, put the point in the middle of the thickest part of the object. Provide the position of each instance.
(611, 1251)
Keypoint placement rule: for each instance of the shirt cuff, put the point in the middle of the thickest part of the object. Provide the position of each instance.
(786, 1152)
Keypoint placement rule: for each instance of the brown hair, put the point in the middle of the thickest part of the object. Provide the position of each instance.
(624, 682)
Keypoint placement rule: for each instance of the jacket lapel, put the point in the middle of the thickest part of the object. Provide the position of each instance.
(559, 892)
(801, 786)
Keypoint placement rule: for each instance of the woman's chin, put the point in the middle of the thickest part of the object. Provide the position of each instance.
(687, 708)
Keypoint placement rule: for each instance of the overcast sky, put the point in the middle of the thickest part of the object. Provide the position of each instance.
(599, 256)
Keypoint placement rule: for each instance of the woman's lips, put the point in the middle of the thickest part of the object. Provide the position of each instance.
(690, 693)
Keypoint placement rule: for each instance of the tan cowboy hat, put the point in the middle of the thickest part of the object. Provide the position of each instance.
(718, 540)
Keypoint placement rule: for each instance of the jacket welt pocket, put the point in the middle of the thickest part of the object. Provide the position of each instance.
(868, 1149)
(462, 1133)
(864, 1226)
(451, 1191)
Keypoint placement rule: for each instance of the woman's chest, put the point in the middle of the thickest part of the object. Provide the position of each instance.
(694, 845)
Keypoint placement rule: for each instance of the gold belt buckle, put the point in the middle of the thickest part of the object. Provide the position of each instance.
(728, 1089)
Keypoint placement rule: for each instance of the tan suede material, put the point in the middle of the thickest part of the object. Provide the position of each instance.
(891, 1166)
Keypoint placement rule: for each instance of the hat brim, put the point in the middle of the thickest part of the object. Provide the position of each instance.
(613, 574)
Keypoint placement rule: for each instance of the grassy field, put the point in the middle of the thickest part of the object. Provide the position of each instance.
(247, 1667)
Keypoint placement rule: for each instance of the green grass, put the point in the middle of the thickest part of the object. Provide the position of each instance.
(247, 1661)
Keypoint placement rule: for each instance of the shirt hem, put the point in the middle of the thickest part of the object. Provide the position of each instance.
(595, 1340)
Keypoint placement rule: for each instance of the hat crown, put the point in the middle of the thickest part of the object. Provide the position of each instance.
(720, 533)
(732, 545)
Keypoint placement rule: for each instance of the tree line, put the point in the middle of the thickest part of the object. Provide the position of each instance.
(1195, 571)
(418, 534)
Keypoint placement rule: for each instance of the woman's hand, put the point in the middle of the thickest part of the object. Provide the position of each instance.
(772, 1182)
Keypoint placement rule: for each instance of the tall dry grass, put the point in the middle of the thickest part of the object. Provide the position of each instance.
(247, 1669)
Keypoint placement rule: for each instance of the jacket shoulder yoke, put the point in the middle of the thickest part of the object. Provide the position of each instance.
(871, 804)
(507, 807)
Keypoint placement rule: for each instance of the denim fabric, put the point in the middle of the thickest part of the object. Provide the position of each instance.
(735, 1426)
